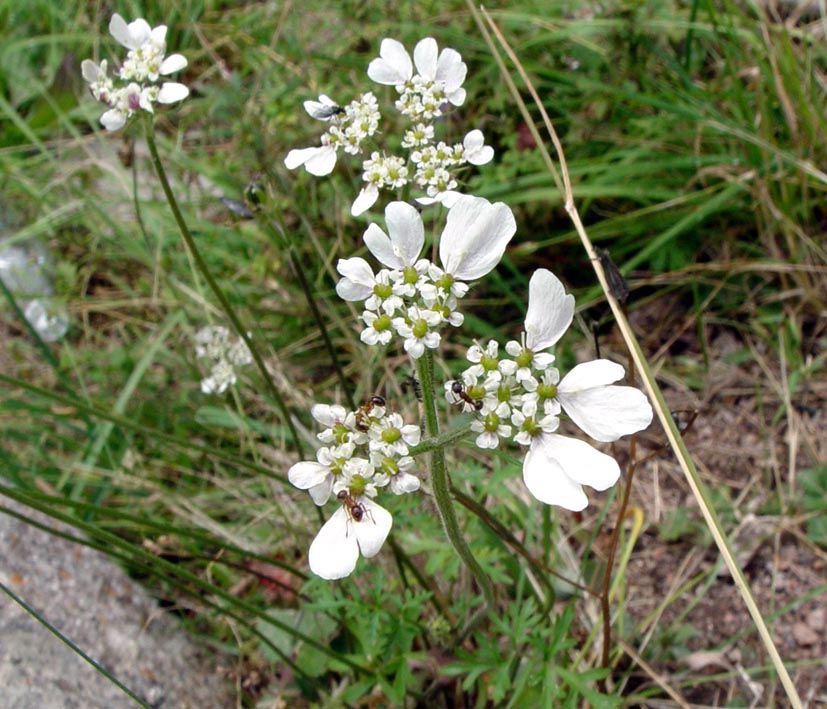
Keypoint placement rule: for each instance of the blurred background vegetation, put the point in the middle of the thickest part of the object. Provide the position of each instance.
(695, 135)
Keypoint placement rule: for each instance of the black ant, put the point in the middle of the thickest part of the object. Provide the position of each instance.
(364, 411)
(355, 510)
(458, 389)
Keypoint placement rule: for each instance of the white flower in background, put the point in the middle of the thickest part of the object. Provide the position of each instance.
(430, 165)
(349, 127)
(145, 63)
(438, 82)
(214, 343)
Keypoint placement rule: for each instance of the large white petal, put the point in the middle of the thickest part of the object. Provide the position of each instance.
(581, 463)
(592, 374)
(607, 412)
(173, 63)
(425, 58)
(452, 70)
(475, 236)
(548, 482)
(550, 310)
(172, 91)
(393, 65)
(335, 551)
(307, 473)
(373, 529)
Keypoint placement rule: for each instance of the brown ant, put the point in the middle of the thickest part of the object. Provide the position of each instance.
(364, 411)
(458, 389)
(355, 510)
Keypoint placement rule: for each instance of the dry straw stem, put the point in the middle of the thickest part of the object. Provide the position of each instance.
(672, 433)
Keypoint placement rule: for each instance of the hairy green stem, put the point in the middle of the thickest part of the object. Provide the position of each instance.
(442, 493)
(222, 299)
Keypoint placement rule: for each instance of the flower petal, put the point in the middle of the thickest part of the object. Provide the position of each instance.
(335, 551)
(307, 473)
(373, 529)
(318, 161)
(171, 92)
(581, 463)
(364, 200)
(113, 119)
(548, 482)
(393, 65)
(550, 310)
(425, 58)
(120, 31)
(407, 236)
(452, 70)
(605, 412)
(173, 63)
(475, 236)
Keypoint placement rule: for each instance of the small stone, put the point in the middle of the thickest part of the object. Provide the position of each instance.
(804, 634)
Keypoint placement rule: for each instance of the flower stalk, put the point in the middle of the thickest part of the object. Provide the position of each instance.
(219, 294)
(442, 493)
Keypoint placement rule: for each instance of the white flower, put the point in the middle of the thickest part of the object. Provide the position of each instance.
(349, 127)
(360, 283)
(214, 343)
(474, 149)
(587, 393)
(144, 65)
(417, 328)
(446, 69)
(221, 377)
(336, 548)
(556, 467)
(318, 477)
(407, 237)
(493, 426)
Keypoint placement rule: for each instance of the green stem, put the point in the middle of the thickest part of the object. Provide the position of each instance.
(442, 493)
(440, 441)
(279, 232)
(222, 299)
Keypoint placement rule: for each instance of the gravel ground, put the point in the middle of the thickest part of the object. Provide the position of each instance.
(109, 616)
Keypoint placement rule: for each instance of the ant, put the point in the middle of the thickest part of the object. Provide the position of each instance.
(364, 411)
(355, 510)
(458, 389)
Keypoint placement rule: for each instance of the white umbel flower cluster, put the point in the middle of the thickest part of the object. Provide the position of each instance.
(412, 297)
(521, 397)
(424, 97)
(365, 450)
(225, 352)
(135, 85)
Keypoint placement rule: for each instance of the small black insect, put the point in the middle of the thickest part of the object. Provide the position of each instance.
(617, 284)
(237, 207)
(458, 389)
(411, 382)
